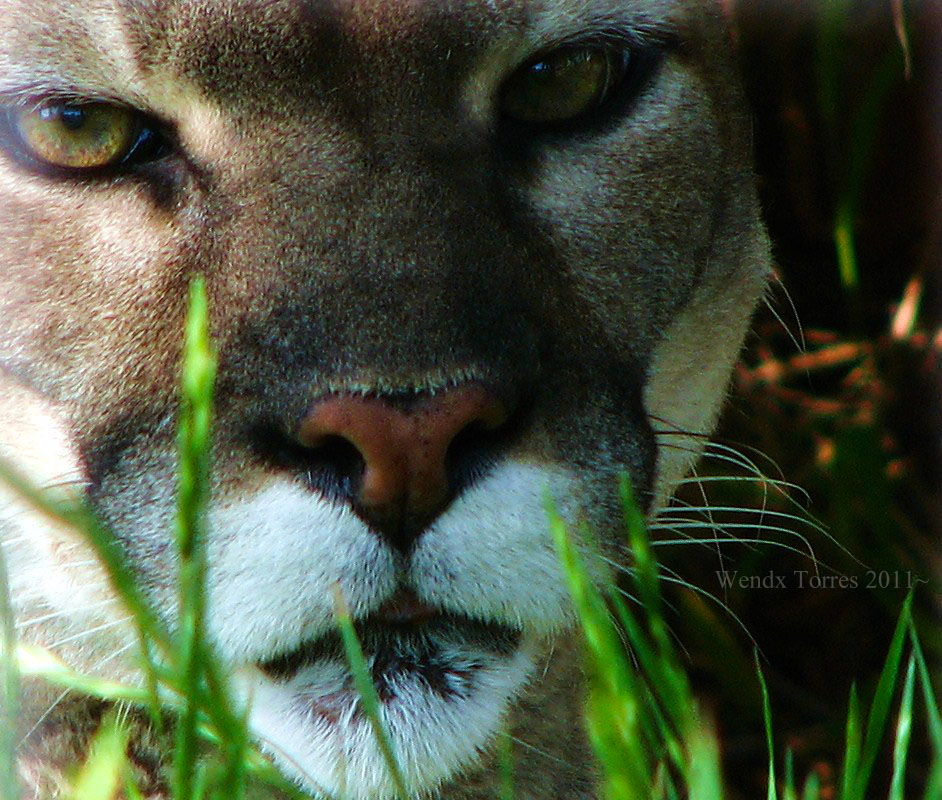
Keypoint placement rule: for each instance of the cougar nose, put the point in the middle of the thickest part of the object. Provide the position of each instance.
(401, 480)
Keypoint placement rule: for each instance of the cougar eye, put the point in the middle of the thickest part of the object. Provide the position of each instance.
(82, 136)
(564, 84)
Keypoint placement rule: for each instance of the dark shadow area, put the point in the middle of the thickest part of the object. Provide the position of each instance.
(844, 400)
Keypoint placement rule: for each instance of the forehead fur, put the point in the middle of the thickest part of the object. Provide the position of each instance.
(108, 46)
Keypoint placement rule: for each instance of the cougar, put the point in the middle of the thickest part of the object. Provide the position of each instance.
(460, 257)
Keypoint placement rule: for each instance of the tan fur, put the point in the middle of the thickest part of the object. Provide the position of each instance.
(339, 174)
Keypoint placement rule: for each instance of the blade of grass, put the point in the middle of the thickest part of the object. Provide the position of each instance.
(666, 680)
(832, 53)
(863, 137)
(9, 689)
(812, 789)
(35, 662)
(902, 36)
(203, 680)
(772, 793)
(704, 778)
(845, 242)
(612, 709)
(363, 682)
(852, 744)
(258, 766)
(233, 728)
(932, 707)
(904, 728)
(662, 702)
(790, 793)
(199, 685)
(663, 718)
(665, 675)
(883, 697)
(199, 369)
(131, 789)
(645, 565)
(102, 775)
(78, 517)
(39, 663)
(934, 784)
(506, 757)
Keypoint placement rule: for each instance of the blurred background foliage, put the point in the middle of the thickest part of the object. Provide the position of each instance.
(840, 389)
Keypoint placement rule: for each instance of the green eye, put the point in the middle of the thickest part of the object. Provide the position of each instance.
(563, 84)
(77, 135)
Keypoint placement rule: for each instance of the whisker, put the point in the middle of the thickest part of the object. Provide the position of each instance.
(65, 693)
(732, 456)
(55, 614)
(750, 465)
(88, 562)
(671, 576)
(799, 340)
(735, 454)
(541, 752)
(762, 512)
(720, 604)
(14, 540)
(734, 526)
(783, 486)
(728, 455)
(629, 571)
(674, 429)
(753, 540)
(123, 709)
(87, 632)
(549, 659)
(709, 514)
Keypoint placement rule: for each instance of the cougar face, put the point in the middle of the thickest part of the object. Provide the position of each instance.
(460, 257)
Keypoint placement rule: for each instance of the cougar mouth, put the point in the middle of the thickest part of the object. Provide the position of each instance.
(409, 647)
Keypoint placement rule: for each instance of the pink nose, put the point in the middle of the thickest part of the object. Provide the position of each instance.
(404, 481)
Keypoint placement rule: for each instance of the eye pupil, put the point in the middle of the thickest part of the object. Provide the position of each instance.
(72, 118)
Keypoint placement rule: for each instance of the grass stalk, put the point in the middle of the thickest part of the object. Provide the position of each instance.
(9, 688)
(852, 744)
(613, 711)
(772, 793)
(363, 682)
(199, 369)
(883, 697)
(506, 762)
(104, 772)
(904, 727)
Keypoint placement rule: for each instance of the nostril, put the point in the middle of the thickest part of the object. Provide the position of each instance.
(333, 466)
(473, 451)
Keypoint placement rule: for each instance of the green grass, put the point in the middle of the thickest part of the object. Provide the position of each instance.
(648, 732)
(853, 149)
(9, 687)
(651, 737)
(181, 672)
